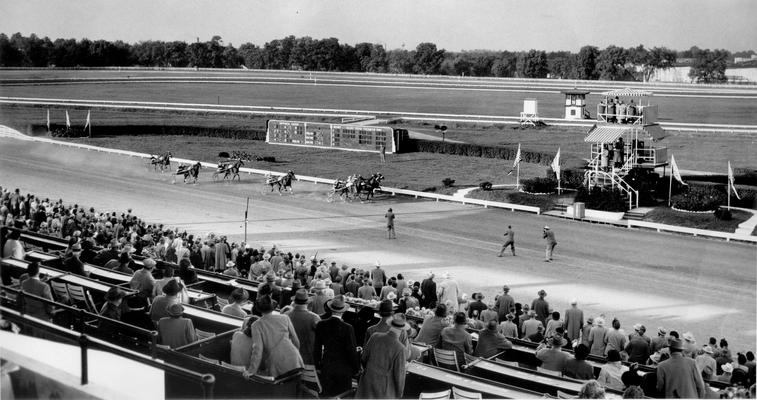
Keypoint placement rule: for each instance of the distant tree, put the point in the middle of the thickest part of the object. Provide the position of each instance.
(658, 58)
(461, 64)
(504, 65)
(302, 53)
(481, 64)
(427, 58)
(348, 60)
(532, 64)
(327, 54)
(709, 66)
(586, 63)
(177, 54)
(252, 56)
(231, 57)
(379, 62)
(10, 56)
(400, 61)
(611, 63)
(199, 55)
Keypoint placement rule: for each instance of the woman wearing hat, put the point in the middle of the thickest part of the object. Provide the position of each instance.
(160, 305)
(596, 340)
(174, 330)
(275, 346)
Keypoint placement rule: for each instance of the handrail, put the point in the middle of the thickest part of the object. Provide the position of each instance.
(207, 381)
(616, 179)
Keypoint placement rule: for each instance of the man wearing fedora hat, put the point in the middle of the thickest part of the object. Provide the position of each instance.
(304, 322)
(678, 376)
(384, 358)
(318, 301)
(541, 307)
(174, 330)
(477, 306)
(551, 355)
(549, 238)
(335, 353)
(386, 310)
(508, 327)
(504, 303)
(491, 342)
(72, 263)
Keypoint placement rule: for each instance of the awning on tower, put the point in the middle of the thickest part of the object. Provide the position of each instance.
(605, 133)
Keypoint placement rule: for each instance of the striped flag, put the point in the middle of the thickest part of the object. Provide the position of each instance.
(86, 124)
(732, 180)
(674, 170)
(556, 163)
(68, 120)
(48, 120)
(517, 157)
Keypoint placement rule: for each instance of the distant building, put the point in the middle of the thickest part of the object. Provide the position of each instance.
(739, 60)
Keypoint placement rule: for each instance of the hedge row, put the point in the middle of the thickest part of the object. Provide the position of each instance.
(117, 130)
(476, 150)
(604, 200)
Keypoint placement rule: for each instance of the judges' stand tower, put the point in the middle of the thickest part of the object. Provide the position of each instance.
(624, 138)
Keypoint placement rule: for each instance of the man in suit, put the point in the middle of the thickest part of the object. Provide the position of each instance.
(549, 238)
(33, 285)
(175, 331)
(574, 321)
(678, 376)
(72, 263)
(335, 352)
(304, 322)
(428, 290)
(384, 360)
(504, 304)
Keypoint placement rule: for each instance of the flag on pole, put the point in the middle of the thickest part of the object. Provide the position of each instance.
(731, 181)
(48, 120)
(556, 163)
(68, 120)
(675, 172)
(86, 124)
(517, 157)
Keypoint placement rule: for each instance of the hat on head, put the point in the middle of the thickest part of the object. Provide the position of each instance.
(270, 278)
(491, 325)
(171, 288)
(590, 320)
(478, 296)
(391, 296)
(708, 349)
(637, 327)
(175, 310)
(661, 331)
(542, 293)
(406, 292)
(689, 337)
(114, 293)
(230, 264)
(301, 297)
(557, 341)
(378, 263)
(573, 301)
(124, 258)
(676, 344)
(727, 367)
(288, 275)
(265, 304)
(510, 316)
(505, 288)
(337, 304)
(546, 227)
(149, 263)
(238, 295)
(266, 256)
(386, 308)
(399, 321)
(333, 263)
(319, 285)
(599, 321)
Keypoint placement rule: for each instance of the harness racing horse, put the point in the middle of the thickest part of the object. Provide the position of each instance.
(188, 171)
(228, 168)
(161, 161)
(283, 181)
(342, 189)
(365, 188)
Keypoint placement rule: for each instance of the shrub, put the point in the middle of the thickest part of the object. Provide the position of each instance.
(539, 185)
(543, 202)
(723, 214)
(699, 198)
(485, 185)
(601, 199)
(476, 150)
(571, 178)
(448, 182)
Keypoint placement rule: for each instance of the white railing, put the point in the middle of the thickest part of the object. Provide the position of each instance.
(691, 231)
(593, 176)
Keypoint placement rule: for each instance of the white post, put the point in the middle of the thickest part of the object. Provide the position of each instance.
(670, 186)
(729, 190)
(517, 178)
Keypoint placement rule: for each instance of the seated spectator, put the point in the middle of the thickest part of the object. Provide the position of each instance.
(231, 269)
(537, 337)
(113, 308)
(632, 382)
(508, 328)
(727, 374)
(237, 299)
(161, 304)
(491, 342)
(431, 329)
(740, 375)
(611, 372)
(551, 355)
(457, 338)
(34, 286)
(72, 263)
(577, 367)
(185, 272)
(366, 292)
(142, 281)
(275, 346)
(591, 390)
(174, 330)
(122, 264)
(241, 344)
(13, 247)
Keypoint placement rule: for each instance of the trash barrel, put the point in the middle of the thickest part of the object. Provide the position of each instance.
(579, 210)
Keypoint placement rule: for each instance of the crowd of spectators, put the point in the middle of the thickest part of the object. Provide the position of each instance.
(309, 326)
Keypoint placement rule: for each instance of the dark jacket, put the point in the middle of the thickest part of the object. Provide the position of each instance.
(335, 355)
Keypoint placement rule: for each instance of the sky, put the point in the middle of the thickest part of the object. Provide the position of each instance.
(452, 25)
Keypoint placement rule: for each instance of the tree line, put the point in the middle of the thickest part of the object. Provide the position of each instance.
(308, 54)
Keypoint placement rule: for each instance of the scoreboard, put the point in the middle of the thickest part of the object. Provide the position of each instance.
(336, 136)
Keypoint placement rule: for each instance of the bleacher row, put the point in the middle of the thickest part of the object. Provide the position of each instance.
(511, 374)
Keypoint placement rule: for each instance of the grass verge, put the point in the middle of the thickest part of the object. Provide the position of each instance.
(664, 215)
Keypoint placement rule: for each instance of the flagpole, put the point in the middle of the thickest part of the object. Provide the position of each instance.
(89, 122)
(517, 178)
(729, 184)
(670, 186)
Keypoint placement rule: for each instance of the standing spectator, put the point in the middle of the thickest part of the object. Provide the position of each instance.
(477, 306)
(390, 234)
(505, 304)
(586, 330)
(457, 338)
(352, 286)
(222, 253)
(689, 345)
(237, 299)
(185, 272)
(678, 376)
(407, 302)
(275, 346)
(33, 285)
(541, 307)
(383, 153)
(706, 363)
(431, 329)
(553, 324)
(195, 257)
(551, 355)
(13, 247)
(509, 241)
(491, 342)
(174, 330)
(638, 347)
(612, 371)
(597, 337)
(449, 293)
(660, 342)
(577, 367)
(366, 292)
(335, 353)
(208, 255)
(337, 286)
(574, 321)
(378, 277)
(615, 338)
(508, 328)
(428, 291)
(304, 323)
(384, 362)
(386, 310)
(531, 325)
(549, 237)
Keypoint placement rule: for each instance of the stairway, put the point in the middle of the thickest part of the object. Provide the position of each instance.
(634, 215)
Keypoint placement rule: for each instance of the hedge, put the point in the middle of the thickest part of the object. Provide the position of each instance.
(699, 198)
(476, 150)
(185, 130)
(602, 200)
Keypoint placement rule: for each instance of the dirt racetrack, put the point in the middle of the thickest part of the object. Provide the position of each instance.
(679, 282)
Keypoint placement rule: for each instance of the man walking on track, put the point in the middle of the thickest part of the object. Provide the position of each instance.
(549, 236)
(390, 225)
(509, 241)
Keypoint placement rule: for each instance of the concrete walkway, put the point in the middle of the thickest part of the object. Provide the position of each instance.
(746, 227)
